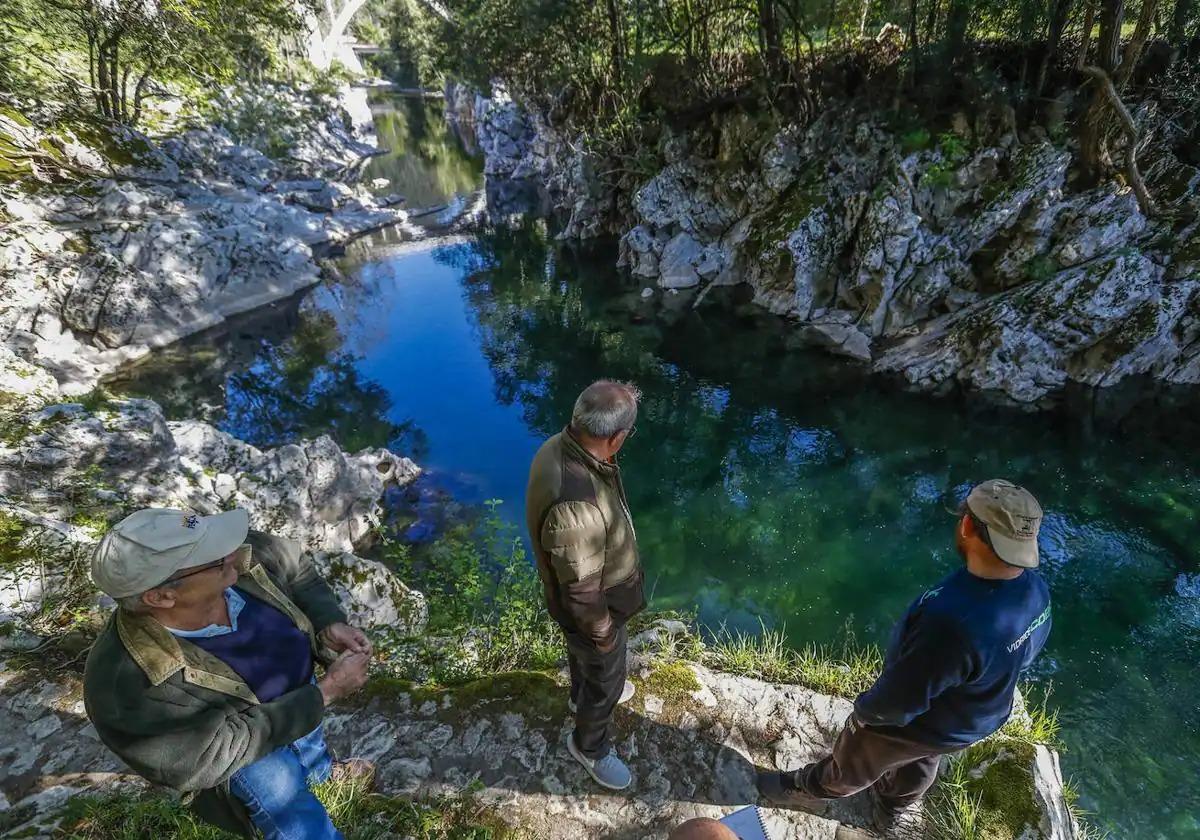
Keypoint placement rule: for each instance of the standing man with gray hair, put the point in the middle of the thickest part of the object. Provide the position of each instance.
(586, 548)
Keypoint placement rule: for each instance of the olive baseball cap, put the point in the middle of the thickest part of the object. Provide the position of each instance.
(145, 548)
(1012, 517)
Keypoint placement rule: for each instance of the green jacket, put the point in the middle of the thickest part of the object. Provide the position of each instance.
(181, 717)
(583, 537)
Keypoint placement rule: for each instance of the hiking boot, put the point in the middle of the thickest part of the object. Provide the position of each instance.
(778, 788)
(626, 695)
(354, 771)
(904, 823)
(610, 771)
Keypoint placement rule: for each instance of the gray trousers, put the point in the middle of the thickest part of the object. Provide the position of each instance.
(899, 770)
(597, 680)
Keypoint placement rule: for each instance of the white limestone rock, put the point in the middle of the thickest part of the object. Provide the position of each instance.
(372, 596)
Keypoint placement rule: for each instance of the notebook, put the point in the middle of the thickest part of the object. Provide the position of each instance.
(747, 824)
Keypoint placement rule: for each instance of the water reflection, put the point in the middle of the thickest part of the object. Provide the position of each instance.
(425, 162)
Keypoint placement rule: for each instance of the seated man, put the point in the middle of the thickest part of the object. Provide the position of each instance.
(203, 679)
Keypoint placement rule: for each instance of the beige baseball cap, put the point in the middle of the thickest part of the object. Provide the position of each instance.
(1012, 516)
(145, 548)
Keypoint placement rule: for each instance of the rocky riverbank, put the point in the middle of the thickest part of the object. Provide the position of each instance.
(103, 262)
(962, 260)
(110, 251)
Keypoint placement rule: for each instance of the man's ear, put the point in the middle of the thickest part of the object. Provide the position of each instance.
(162, 598)
(966, 527)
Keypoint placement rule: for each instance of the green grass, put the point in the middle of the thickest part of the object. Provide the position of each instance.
(844, 672)
(672, 681)
(987, 792)
(1039, 725)
(360, 814)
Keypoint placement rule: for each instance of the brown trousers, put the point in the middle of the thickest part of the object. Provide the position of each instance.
(899, 770)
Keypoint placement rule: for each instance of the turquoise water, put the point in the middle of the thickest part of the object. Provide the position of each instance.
(769, 486)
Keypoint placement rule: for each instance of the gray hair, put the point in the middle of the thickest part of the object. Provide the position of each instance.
(134, 603)
(606, 407)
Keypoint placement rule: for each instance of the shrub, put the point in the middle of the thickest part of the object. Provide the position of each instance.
(486, 608)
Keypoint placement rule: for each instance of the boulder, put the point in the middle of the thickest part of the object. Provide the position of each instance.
(372, 596)
(678, 263)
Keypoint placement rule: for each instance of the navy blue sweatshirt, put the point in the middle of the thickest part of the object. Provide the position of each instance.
(266, 649)
(954, 659)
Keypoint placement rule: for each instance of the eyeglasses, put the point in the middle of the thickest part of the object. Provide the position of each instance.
(630, 432)
(198, 570)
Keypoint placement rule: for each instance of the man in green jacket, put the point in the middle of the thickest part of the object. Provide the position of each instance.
(586, 548)
(203, 680)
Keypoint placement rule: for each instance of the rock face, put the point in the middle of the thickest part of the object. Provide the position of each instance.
(963, 264)
(124, 456)
(198, 228)
(692, 737)
(530, 165)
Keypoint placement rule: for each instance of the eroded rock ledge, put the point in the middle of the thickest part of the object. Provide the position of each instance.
(965, 262)
(74, 468)
(193, 229)
(693, 738)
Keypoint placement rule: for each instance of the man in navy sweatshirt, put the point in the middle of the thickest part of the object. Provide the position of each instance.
(951, 668)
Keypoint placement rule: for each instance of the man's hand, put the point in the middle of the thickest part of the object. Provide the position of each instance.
(345, 676)
(341, 637)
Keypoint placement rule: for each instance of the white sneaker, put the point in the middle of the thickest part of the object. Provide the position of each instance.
(626, 695)
(610, 771)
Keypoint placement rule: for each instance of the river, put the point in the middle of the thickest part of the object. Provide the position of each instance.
(771, 487)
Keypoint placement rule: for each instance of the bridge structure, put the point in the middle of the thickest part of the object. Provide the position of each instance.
(328, 42)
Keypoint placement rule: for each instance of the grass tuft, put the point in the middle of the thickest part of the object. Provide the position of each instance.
(360, 814)
(844, 672)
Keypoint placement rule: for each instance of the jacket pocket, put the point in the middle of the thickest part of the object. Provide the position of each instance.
(627, 598)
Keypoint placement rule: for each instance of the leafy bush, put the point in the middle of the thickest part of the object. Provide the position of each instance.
(915, 140)
(486, 607)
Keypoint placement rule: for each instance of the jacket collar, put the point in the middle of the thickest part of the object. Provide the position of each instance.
(607, 469)
(160, 654)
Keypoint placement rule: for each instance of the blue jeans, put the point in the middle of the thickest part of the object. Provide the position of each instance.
(276, 790)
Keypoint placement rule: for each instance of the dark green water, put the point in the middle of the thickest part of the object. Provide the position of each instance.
(769, 486)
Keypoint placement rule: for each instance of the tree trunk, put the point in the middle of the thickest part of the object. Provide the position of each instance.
(1108, 91)
(102, 66)
(958, 18)
(1137, 43)
(114, 79)
(772, 45)
(1085, 42)
(1108, 48)
(914, 46)
(1178, 31)
(1093, 150)
(125, 91)
(617, 37)
(931, 19)
(1059, 16)
(139, 91)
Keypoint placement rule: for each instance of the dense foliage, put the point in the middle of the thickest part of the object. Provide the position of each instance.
(113, 55)
(613, 68)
